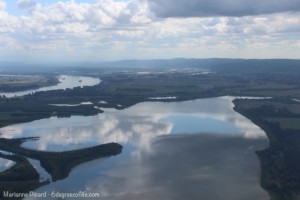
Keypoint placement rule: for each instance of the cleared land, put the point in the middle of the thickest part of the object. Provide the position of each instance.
(280, 166)
(12, 83)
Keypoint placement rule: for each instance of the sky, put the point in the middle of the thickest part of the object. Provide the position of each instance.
(105, 30)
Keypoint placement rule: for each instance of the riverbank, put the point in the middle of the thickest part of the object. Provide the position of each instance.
(280, 166)
(16, 83)
(121, 90)
(22, 177)
(63, 82)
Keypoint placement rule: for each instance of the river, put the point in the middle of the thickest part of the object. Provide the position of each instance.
(200, 149)
(65, 82)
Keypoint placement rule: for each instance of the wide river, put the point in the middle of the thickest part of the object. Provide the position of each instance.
(200, 149)
(65, 81)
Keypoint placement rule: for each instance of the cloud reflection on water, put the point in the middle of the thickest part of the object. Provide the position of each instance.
(194, 166)
(5, 164)
(137, 125)
(157, 162)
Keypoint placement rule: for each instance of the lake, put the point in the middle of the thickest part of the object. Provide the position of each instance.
(65, 81)
(199, 149)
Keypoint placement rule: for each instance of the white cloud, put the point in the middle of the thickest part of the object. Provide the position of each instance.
(2, 5)
(8, 23)
(109, 29)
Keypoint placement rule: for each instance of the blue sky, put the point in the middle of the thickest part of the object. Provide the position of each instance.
(101, 30)
(12, 8)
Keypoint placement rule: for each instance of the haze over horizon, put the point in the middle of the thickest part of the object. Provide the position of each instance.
(104, 30)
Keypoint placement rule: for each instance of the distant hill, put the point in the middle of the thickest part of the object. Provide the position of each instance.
(165, 63)
(216, 65)
(256, 66)
(221, 65)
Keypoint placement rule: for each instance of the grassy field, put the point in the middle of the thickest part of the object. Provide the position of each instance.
(11, 83)
(280, 166)
(22, 79)
(286, 123)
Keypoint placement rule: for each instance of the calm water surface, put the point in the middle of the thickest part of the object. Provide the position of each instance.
(65, 82)
(5, 164)
(198, 149)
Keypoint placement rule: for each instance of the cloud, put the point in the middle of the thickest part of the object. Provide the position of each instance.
(69, 27)
(110, 30)
(22, 4)
(8, 23)
(205, 8)
(2, 5)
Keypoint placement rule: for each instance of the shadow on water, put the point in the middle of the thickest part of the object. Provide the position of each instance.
(195, 166)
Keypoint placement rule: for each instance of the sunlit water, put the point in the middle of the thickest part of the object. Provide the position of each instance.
(198, 149)
(65, 82)
(5, 164)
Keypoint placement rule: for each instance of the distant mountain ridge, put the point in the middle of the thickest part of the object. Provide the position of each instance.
(224, 65)
(216, 64)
